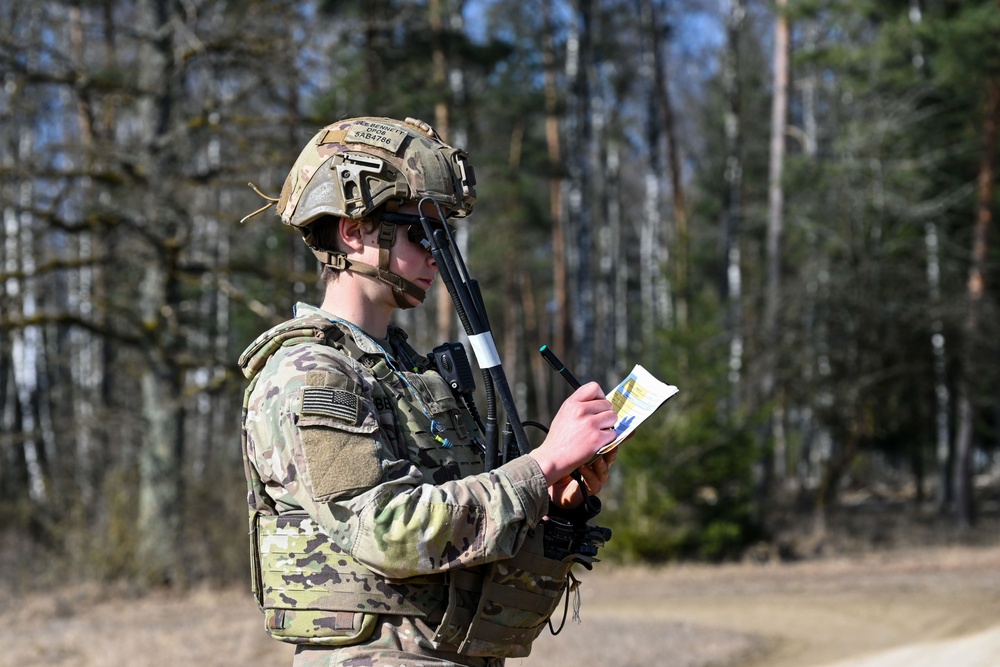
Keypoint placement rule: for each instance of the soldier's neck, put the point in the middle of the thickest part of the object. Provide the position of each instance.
(353, 303)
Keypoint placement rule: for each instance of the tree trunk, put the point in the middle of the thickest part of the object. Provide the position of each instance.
(581, 167)
(665, 111)
(85, 351)
(775, 191)
(964, 510)
(775, 462)
(439, 60)
(942, 395)
(540, 371)
(814, 432)
(27, 342)
(161, 453)
(734, 197)
(513, 315)
(650, 257)
(560, 328)
(609, 309)
(829, 486)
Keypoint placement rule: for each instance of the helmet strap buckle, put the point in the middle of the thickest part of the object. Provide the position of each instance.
(386, 235)
(335, 260)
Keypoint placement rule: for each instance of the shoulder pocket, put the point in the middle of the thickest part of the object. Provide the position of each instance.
(337, 427)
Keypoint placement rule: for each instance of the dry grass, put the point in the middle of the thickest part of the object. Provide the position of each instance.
(791, 615)
(86, 627)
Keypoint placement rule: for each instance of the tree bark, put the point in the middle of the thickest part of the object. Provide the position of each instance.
(439, 60)
(665, 109)
(581, 167)
(560, 317)
(942, 395)
(650, 264)
(734, 201)
(162, 451)
(540, 371)
(611, 271)
(775, 462)
(27, 350)
(975, 291)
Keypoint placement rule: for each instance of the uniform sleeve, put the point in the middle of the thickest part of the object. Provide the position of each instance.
(317, 444)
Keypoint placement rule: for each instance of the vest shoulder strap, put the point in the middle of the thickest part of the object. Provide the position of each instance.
(309, 328)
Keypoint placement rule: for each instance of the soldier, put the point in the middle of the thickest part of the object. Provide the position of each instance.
(377, 537)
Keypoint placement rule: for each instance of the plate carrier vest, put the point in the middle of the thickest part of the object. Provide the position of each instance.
(298, 573)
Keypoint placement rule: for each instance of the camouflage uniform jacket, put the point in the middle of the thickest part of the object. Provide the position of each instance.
(374, 495)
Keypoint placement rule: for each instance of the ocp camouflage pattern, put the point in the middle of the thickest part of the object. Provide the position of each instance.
(351, 167)
(406, 507)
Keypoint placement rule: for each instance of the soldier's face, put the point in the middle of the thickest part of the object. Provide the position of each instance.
(409, 259)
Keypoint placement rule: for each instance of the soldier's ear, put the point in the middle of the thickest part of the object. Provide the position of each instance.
(351, 233)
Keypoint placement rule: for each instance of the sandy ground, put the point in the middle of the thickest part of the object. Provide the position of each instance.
(927, 608)
(849, 613)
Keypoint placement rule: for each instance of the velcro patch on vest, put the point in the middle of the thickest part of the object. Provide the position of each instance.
(329, 402)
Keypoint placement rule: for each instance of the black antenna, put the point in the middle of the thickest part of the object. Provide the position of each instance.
(467, 298)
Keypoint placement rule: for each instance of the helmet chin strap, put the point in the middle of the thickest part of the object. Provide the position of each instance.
(400, 286)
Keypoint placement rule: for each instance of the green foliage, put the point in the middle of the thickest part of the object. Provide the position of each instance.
(966, 44)
(898, 153)
(687, 479)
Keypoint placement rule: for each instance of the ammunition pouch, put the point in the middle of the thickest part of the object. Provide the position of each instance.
(513, 599)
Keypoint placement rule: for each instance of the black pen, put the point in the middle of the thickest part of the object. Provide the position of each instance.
(592, 503)
(559, 366)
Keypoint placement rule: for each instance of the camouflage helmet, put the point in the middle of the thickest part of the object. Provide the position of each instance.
(364, 168)
(352, 167)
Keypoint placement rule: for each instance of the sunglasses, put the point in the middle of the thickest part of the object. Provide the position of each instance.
(414, 228)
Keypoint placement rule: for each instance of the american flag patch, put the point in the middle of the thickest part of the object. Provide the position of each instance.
(329, 402)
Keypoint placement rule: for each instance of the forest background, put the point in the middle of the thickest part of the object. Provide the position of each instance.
(782, 208)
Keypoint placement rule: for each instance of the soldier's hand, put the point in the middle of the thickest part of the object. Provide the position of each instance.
(566, 492)
(584, 424)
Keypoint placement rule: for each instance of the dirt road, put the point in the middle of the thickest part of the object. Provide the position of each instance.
(928, 608)
(801, 615)
(979, 650)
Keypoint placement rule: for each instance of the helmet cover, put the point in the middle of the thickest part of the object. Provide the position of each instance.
(352, 167)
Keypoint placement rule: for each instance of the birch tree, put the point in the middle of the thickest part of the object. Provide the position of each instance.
(942, 393)
(655, 291)
(580, 157)
(775, 224)
(733, 215)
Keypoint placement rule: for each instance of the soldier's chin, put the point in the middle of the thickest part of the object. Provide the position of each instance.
(412, 300)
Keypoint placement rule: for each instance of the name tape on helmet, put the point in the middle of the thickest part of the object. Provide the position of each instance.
(485, 350)
(374, 134)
